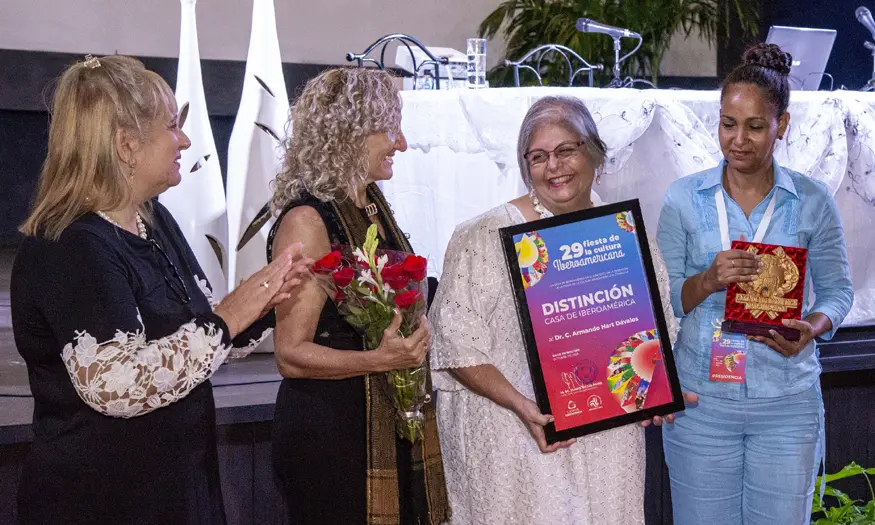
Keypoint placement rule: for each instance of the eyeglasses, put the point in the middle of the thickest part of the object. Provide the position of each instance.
(177, 284)
(537, 158)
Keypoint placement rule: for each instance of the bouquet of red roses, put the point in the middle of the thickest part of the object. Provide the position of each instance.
(367, 285)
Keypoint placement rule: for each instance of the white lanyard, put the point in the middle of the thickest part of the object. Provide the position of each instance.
(723, 221)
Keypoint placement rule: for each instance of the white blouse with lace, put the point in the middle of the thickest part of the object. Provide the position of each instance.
(495, 473)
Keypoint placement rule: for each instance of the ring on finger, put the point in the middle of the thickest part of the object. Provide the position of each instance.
(265, 284)
(733, 262)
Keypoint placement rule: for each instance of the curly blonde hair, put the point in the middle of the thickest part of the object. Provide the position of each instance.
(325, 153)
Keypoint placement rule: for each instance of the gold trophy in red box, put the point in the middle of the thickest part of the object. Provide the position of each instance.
(754, 308)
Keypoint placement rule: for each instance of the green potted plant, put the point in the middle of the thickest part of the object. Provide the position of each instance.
(846, 511)
(527, 24)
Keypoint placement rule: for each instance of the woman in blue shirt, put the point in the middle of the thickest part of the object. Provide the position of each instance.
(748, 452)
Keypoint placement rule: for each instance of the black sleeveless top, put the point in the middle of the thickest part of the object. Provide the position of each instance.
(332, 330)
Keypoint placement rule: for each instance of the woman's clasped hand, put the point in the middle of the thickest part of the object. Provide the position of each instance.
(732, 266)
(397, 352)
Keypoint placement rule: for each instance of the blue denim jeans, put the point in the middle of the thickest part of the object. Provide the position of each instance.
(745, 462)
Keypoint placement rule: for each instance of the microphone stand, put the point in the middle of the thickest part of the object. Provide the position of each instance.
(870, 86)
(618, 82)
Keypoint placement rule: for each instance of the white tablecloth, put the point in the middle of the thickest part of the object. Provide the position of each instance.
(462, 158)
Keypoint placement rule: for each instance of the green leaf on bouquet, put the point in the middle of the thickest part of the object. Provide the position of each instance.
(357, 321)
(371, 242)
(359, 288)
(379, 318)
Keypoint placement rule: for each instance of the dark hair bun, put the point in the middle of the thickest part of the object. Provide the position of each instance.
(769, 56)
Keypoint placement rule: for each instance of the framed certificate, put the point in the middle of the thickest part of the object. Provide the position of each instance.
(592, 319)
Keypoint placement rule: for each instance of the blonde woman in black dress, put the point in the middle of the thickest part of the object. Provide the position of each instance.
(114, 318)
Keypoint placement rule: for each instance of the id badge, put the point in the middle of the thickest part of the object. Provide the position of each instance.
(727, 357)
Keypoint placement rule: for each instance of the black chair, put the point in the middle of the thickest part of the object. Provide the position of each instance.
(537, 55)
(405, 40)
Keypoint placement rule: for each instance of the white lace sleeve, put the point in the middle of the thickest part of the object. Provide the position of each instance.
(129, 376)
(204, 286)
(467, 295)
(249, 339)
(664, 292)
(243, 346)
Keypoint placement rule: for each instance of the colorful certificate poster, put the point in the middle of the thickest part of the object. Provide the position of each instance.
(592, 319)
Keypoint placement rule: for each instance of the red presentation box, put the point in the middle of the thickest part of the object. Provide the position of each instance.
(754, 308)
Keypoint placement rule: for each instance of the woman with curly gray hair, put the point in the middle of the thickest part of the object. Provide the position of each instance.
(334, 432)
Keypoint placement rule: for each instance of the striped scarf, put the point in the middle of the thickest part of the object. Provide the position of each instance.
(427, 466)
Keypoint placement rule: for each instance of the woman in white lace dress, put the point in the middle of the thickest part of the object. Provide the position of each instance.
(499, 468)
(113, 316)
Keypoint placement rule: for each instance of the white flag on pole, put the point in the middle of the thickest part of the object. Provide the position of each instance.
(198, 202)
(256, 146)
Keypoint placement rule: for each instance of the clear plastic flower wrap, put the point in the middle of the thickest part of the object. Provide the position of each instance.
(367, 285)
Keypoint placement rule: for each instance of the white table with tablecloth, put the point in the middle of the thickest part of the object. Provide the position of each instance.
(462, 158)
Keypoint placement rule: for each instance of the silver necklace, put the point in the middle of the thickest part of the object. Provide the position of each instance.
(541, 210)
(141, 225)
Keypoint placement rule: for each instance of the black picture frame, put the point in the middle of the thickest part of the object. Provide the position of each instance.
(581, 217)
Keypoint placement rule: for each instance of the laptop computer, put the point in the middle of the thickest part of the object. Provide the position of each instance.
(810, 49)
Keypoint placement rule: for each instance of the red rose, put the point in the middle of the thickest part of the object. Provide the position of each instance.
(327, 264)
(395, 276)
(339, 296)
(407, 299)
(416, 267)
(343, 276)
